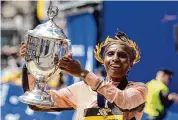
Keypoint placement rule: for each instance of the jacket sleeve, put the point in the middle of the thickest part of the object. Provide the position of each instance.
(164, 99)
(124, 99)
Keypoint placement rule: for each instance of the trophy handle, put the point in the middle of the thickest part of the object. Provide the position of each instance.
(67, 46)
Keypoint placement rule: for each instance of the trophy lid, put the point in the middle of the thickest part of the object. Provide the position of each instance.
(48, 29)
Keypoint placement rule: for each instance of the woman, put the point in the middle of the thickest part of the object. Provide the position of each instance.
(115, 92)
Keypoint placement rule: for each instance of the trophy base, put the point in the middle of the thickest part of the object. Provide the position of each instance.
(36, 97)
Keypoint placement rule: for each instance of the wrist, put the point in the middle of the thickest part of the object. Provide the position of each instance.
(84, 73)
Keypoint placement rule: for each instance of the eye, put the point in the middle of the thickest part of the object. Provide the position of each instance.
(110, 53)
(123, 55)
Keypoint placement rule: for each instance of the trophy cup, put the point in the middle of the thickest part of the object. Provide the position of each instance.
(45, 45)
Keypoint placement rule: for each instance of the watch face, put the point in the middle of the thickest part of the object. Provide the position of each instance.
(82, 74)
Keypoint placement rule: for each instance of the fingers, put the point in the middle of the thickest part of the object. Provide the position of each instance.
(170, 97)
(70, 55)
(68, 58)
(22, 49)
(63, 69)
(22, 42)
(62, 66)
(23, 45)
(65, 63)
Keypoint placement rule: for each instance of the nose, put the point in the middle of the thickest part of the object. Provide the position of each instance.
(115, 58)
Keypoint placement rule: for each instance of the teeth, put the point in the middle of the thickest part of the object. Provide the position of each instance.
(115, 66)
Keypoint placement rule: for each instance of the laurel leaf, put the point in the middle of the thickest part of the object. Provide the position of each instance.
(110, 40)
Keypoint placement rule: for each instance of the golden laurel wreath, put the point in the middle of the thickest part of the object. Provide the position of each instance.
(108, 40)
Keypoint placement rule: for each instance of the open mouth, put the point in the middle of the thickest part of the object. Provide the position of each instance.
(115, 66)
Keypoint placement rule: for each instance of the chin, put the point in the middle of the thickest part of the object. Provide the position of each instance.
(116, 75)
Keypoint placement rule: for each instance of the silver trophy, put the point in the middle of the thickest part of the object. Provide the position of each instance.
(46, 44)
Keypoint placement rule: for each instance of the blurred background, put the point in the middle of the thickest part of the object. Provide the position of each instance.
(152, 25)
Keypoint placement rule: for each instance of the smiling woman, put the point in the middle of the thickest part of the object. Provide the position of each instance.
(93, 98)
(117, 61)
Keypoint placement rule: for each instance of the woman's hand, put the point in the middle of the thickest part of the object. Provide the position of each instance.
(72, 66)
(22, 49)
(173, 97)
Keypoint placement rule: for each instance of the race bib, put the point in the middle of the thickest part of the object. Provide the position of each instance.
(101, 114)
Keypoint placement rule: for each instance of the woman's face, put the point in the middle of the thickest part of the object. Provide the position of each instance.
(117, 60)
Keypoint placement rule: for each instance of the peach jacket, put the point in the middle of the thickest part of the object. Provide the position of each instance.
(83, 95)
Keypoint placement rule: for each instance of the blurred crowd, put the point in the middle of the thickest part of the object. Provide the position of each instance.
(11, 65)
(16, 18)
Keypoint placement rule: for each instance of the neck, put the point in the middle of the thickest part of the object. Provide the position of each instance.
(113, 79)
(162, 81)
